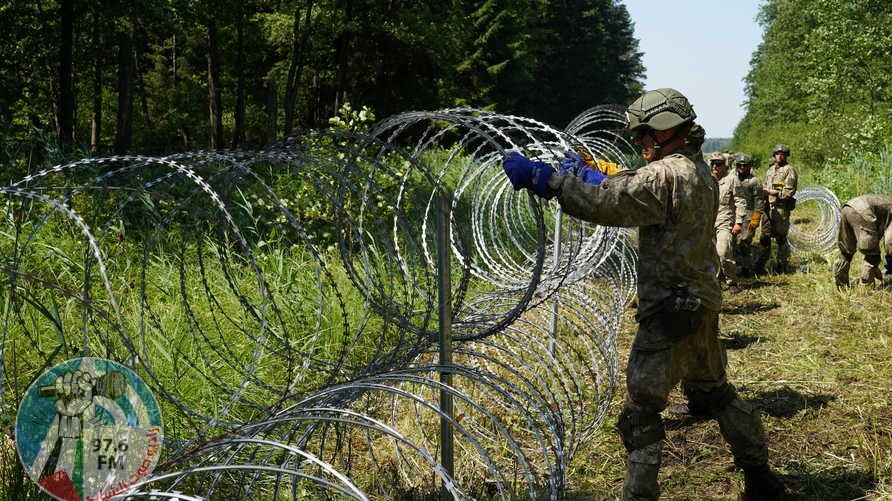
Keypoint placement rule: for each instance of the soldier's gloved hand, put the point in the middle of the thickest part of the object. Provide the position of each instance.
(754, 221)
(572, 163)
(526, 173)
(576, 165)
(591, 176)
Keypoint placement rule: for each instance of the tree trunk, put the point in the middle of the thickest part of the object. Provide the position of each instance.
(96, 119)
(342, 45)
(124, 133)
(238, 133)
(295, 68)
(143, 93)
(66, 80)
(214, 99)
(272, 112)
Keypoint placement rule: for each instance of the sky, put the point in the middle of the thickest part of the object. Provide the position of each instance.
(701, 48)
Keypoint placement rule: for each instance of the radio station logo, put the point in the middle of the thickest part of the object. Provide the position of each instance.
(88, 429)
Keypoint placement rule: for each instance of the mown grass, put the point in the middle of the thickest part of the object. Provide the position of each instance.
(816, 361)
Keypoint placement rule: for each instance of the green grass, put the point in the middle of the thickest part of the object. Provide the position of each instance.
(817, 363)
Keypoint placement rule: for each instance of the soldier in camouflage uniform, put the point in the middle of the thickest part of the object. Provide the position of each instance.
(865, 220)
(755, 207)
(780, 187)
(673, 201)
(729, 219)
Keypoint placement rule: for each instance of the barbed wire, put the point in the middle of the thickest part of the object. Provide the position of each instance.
(808, 234)
(283, 304)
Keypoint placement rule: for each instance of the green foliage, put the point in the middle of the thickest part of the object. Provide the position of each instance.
(352, 120)
(821, 80)
(858, 174)
(388, 56)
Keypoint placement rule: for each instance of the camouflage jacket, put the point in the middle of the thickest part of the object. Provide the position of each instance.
(752, 191)
(876, 209)
(732, 202)
(673, 201)
(783, 179)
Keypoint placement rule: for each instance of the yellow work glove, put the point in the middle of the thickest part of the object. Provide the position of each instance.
(754, 222)
(604, 166)
(609, 168)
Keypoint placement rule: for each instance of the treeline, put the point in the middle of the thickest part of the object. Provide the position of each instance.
(821, 80)
(115, 76)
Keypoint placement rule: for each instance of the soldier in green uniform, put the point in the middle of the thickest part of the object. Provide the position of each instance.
(780, 187)
(865, 220)
(755, 207)
(673, 201)
(729, 219)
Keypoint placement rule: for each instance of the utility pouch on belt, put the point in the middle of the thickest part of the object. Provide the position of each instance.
(681, 314)
(791, 203)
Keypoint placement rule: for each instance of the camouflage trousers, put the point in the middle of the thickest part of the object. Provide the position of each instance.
(658, 362)
(744, 250)
(724, 245)
(858, 234)
(776, 226)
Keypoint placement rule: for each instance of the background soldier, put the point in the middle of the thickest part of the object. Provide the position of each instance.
(755, 207)
(780, 186)
(673, 201)
(729, 219)
(865, 220)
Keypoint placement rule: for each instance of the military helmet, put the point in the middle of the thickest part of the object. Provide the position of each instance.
(781, 148)
(660, 109)
(743, 159)
(717, 157)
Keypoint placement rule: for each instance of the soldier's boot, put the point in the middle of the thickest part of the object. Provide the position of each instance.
(642, 433)
(742, 428)
(870, 270)
(642, 472)
(840, 270)
(759, 482)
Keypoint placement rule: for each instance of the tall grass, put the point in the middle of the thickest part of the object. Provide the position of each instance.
(857, 175)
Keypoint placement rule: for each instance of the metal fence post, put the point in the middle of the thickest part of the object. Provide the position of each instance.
(444, 282)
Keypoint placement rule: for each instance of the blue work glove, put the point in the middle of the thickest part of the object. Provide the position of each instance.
(526, 173)
(574, 164)
(591, 176)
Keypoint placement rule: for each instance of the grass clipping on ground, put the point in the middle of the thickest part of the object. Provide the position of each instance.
(817, 363)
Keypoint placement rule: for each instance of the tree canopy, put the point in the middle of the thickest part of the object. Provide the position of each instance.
(821, 80)
(170, 75)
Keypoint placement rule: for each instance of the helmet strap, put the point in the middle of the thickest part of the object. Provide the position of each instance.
(678, 137)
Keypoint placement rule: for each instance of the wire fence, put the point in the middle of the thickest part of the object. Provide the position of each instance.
(283, 305)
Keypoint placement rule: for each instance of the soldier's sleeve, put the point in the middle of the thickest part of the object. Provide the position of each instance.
(629, 198)
(758, 197)
(739, 202)
(790, 184)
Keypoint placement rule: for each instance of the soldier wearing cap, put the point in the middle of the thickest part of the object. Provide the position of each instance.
(755, 207)
(673, 201)
(779, 188)
(865, 220)
(729, 219)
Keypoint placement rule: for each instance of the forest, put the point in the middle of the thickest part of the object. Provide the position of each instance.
(821, 80)
(111, 76)
(282, 302)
